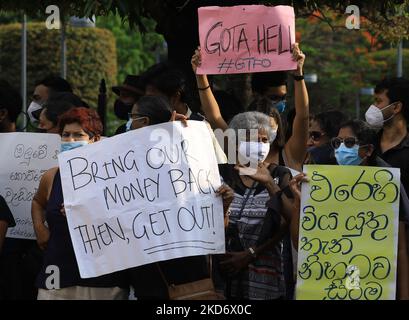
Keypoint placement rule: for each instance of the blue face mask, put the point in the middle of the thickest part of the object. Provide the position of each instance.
(128, 125)
(348, 156)
(66, 146)
(280, 106)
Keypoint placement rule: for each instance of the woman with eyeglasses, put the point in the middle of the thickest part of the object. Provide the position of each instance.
(323, 127)
(59, 278)
(148, 280)
(355, 146)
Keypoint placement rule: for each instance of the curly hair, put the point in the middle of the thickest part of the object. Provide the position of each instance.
(88, 119)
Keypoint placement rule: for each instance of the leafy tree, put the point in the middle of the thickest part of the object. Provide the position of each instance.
(344, 60)
(177, 19)
(136, 51)
(341, 69)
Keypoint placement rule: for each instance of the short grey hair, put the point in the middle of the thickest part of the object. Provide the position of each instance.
(252, 120)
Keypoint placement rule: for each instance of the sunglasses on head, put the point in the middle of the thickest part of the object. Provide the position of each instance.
(316, 135)
(349, 142)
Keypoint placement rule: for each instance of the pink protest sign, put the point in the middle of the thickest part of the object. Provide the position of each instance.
(244, 39)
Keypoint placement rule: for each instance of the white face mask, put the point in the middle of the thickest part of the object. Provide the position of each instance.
(253, 152)
(274, 136)
(128, 125)
(374, 116)
(33, 112)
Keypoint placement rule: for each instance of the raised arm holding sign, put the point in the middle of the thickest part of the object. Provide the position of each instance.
(245, 39)
(294, 154)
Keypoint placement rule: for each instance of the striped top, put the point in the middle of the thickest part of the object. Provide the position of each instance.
(264, 279)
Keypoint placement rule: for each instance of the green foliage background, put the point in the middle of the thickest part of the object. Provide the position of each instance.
(345, 61)
(91, 56)
(136, 51)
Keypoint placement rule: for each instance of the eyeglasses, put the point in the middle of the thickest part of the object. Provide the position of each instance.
(349, 142)
(135, 116)
(316, 135)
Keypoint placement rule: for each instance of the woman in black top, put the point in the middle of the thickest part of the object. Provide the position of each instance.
(59, 278)
(355, 145)
(147, 281)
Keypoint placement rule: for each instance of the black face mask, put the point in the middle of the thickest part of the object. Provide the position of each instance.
(122, 109)
(323, 154)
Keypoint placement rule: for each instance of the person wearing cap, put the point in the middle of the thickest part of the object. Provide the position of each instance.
(128, 93)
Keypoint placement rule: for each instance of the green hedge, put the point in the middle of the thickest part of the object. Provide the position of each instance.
(91, 56)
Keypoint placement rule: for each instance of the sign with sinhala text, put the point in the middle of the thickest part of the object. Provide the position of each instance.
(246, 39)
(348, 233)
(143, 196)
(25, 158)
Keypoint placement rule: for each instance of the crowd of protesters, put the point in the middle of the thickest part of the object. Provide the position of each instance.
(260, 208)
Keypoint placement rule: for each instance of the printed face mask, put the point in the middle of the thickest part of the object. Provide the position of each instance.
(33, 111)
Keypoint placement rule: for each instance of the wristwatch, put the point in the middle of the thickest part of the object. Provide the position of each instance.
(298, 78)
(253, 253)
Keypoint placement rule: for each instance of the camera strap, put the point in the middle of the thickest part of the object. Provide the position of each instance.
(251, 190)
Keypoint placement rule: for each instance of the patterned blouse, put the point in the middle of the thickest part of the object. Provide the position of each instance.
(264, 278)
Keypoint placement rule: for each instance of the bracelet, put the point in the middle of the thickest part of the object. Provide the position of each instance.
(298, 78)
(203, 89)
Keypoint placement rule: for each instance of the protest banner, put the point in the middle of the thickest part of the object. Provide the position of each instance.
(244, 39)
(143, 196)
(25, 158)
(348, 233)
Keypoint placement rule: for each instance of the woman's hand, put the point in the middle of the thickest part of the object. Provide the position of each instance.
(261, 174)
(298, 56)
(233, 262)
(179, 117)
(196, 60)
(295, 185)
(227, 195)
(42, 235)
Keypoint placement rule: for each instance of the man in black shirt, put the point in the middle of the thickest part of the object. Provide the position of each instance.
(6, 220)
(20, 259)
(391, 113)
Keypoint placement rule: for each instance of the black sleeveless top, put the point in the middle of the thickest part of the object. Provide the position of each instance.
(60, 250)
